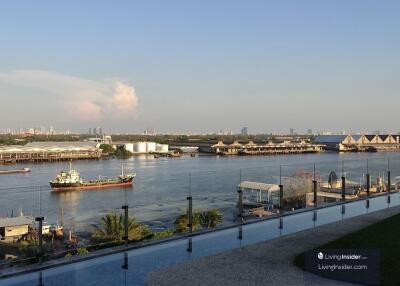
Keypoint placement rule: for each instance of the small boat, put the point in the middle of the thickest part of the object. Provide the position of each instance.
(57, 230)
(72, 181)
(24, 170)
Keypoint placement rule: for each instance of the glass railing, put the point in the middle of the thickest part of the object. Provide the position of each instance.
(134, 266)
(192, 214)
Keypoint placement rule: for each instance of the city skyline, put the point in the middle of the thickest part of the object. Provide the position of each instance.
(200, 67)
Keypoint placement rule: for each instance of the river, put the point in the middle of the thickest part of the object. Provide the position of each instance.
(162, 185)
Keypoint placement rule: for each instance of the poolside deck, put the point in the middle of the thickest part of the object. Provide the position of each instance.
(266, 263)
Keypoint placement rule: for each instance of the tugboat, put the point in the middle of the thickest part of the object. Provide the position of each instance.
(72, 181)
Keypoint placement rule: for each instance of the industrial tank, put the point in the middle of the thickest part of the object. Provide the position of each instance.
(162, 148)
(140, 147)
(151, 147)
(129, 147)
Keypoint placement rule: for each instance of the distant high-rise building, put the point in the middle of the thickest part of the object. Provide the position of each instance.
(95, 131)
(90, 131)
(244, 131)
(150, 131)
(292, 132)
(309, 132)
(100, 131)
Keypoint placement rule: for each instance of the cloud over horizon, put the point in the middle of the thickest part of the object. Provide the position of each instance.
(80, 99)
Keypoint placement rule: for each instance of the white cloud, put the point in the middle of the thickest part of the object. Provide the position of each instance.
(81, 99)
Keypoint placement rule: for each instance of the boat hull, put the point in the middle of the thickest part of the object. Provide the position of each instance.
(85, 186)
(14, 171)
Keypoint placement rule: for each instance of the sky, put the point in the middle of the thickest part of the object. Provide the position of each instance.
(200, 66)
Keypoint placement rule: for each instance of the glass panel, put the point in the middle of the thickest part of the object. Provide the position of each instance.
(261, 231)
(394, 199)
(355, 209)
(329, 178)
(297, 181)
(328, 215)
(260, 187)
(215, 198)
(215, 242)
(297, 222)
(378, 203)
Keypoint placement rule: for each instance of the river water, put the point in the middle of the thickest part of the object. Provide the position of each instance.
(162, 185)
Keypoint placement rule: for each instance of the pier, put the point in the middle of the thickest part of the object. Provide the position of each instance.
(48, 153)
(265, 149)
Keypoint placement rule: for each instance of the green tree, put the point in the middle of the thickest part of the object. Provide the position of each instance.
(107, 148)
(29, 247)
(182, 221)
(122, 153)
(112, 228)
(210, 218)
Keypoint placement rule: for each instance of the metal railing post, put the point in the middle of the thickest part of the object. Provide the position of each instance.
(240, 205)
(343, 188)
(126, 226)
(190, 213)
(388, 181)
(40, 280)
(281, 198)
(343, 183)
(125, 266)
(240, 236)
(315, 201)
(368, 177)
(40, 236)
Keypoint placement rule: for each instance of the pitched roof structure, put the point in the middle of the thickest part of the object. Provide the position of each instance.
(16, 221)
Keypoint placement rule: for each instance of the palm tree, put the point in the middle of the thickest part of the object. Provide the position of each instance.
(182, 221)
(210, 218)
(112, 228)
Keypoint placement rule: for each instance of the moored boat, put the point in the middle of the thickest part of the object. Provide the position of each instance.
(24, 170)
(71, 181)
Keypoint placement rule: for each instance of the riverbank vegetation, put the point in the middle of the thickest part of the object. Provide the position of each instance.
(112, 228)
(118, 152)
(205, 219)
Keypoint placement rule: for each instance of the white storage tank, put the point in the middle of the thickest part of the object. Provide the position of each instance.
(140, 147)
(151, 147)
(162, 148)
(129, 147)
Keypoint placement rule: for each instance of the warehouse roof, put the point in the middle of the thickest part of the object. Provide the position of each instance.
(61, 144)
(49, 147)
(330, 138)
(258, 186)
(16, 221)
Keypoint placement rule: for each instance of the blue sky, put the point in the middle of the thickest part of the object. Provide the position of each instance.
(200, 65)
